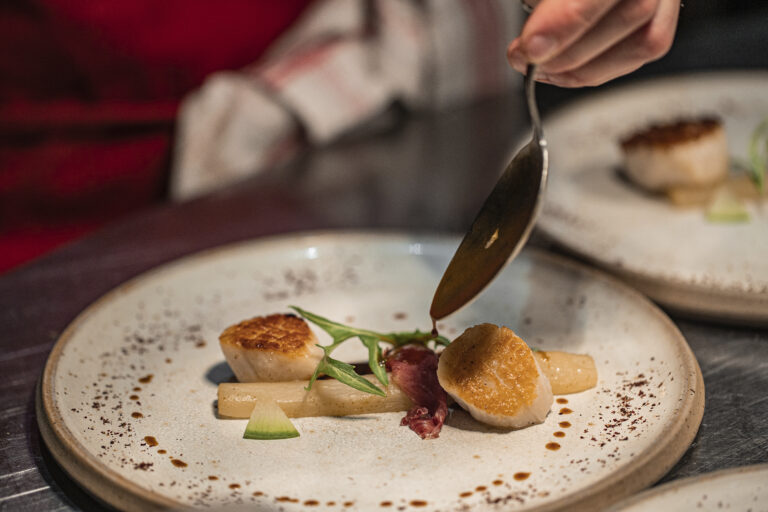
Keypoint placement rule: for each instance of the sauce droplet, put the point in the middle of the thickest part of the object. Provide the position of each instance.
(559, 434)
(134, 397)
(258, 493)
(178, 463)
(161, 451)
(465, 494)
(562, 400)
(146, 379)
(385, 504)
(553, 446)
(311, 503)
(565, 410)
(418, 503)
(150, 440)
(137, 388)
(498, 482)
(564, 424)
(521, 476)
(214, 477)
(136, 415)
(234, 486)
(348, 503)
(480, 488)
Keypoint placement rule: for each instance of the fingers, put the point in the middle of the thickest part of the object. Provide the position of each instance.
(610, 43)
(618, 24)
(648, 43)
(556, 24)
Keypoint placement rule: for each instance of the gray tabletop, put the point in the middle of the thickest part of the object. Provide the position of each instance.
(427, 172)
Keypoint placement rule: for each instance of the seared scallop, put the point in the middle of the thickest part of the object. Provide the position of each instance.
(271, 348)
(685, 154)
(492, 374)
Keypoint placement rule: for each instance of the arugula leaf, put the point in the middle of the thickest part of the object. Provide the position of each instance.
(404, 338)
(339, 332)
(374, 358)
(344, 372)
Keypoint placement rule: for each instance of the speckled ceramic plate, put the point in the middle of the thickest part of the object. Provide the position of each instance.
(141, 366)
(674, 255)
(743, 489)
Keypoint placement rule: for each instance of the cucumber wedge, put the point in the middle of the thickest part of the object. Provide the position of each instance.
(268, 421)
(726, 207)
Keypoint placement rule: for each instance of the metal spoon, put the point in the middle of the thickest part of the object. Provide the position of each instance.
(503, 224)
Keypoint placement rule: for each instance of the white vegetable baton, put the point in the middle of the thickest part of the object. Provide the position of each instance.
(326, 398)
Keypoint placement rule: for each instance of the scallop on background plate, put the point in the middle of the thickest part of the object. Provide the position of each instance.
(742, 489)
(673, 255)
(127, 400)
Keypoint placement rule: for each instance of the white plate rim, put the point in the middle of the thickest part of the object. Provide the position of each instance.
(686, 482)
(110, 487)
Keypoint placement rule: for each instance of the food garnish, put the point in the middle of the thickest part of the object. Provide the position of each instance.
(345, 372)
(726, 207)
(414, 370)
(758, 155)
(268, 421)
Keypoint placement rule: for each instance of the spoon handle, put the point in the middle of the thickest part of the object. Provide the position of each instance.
(533, 111)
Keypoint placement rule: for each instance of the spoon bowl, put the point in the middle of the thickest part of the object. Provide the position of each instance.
(503, 224)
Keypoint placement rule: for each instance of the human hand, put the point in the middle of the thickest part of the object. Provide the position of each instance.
(580, 43)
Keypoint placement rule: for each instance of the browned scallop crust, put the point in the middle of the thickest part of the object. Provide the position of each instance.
(492, 368)
(668, 134)
(277, 333)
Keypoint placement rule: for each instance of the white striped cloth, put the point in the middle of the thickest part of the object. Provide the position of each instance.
(341, 65)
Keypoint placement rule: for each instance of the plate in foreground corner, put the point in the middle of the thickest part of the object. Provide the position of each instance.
(127, 400)
(673, 255)
(744, 488)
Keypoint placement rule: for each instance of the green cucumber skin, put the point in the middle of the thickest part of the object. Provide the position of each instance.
(721, 218)
(267, 436)
(269, 422)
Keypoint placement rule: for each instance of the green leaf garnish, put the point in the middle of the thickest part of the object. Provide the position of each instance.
(374, 358)
(344, 372)
(338, 332)
(758, 155)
